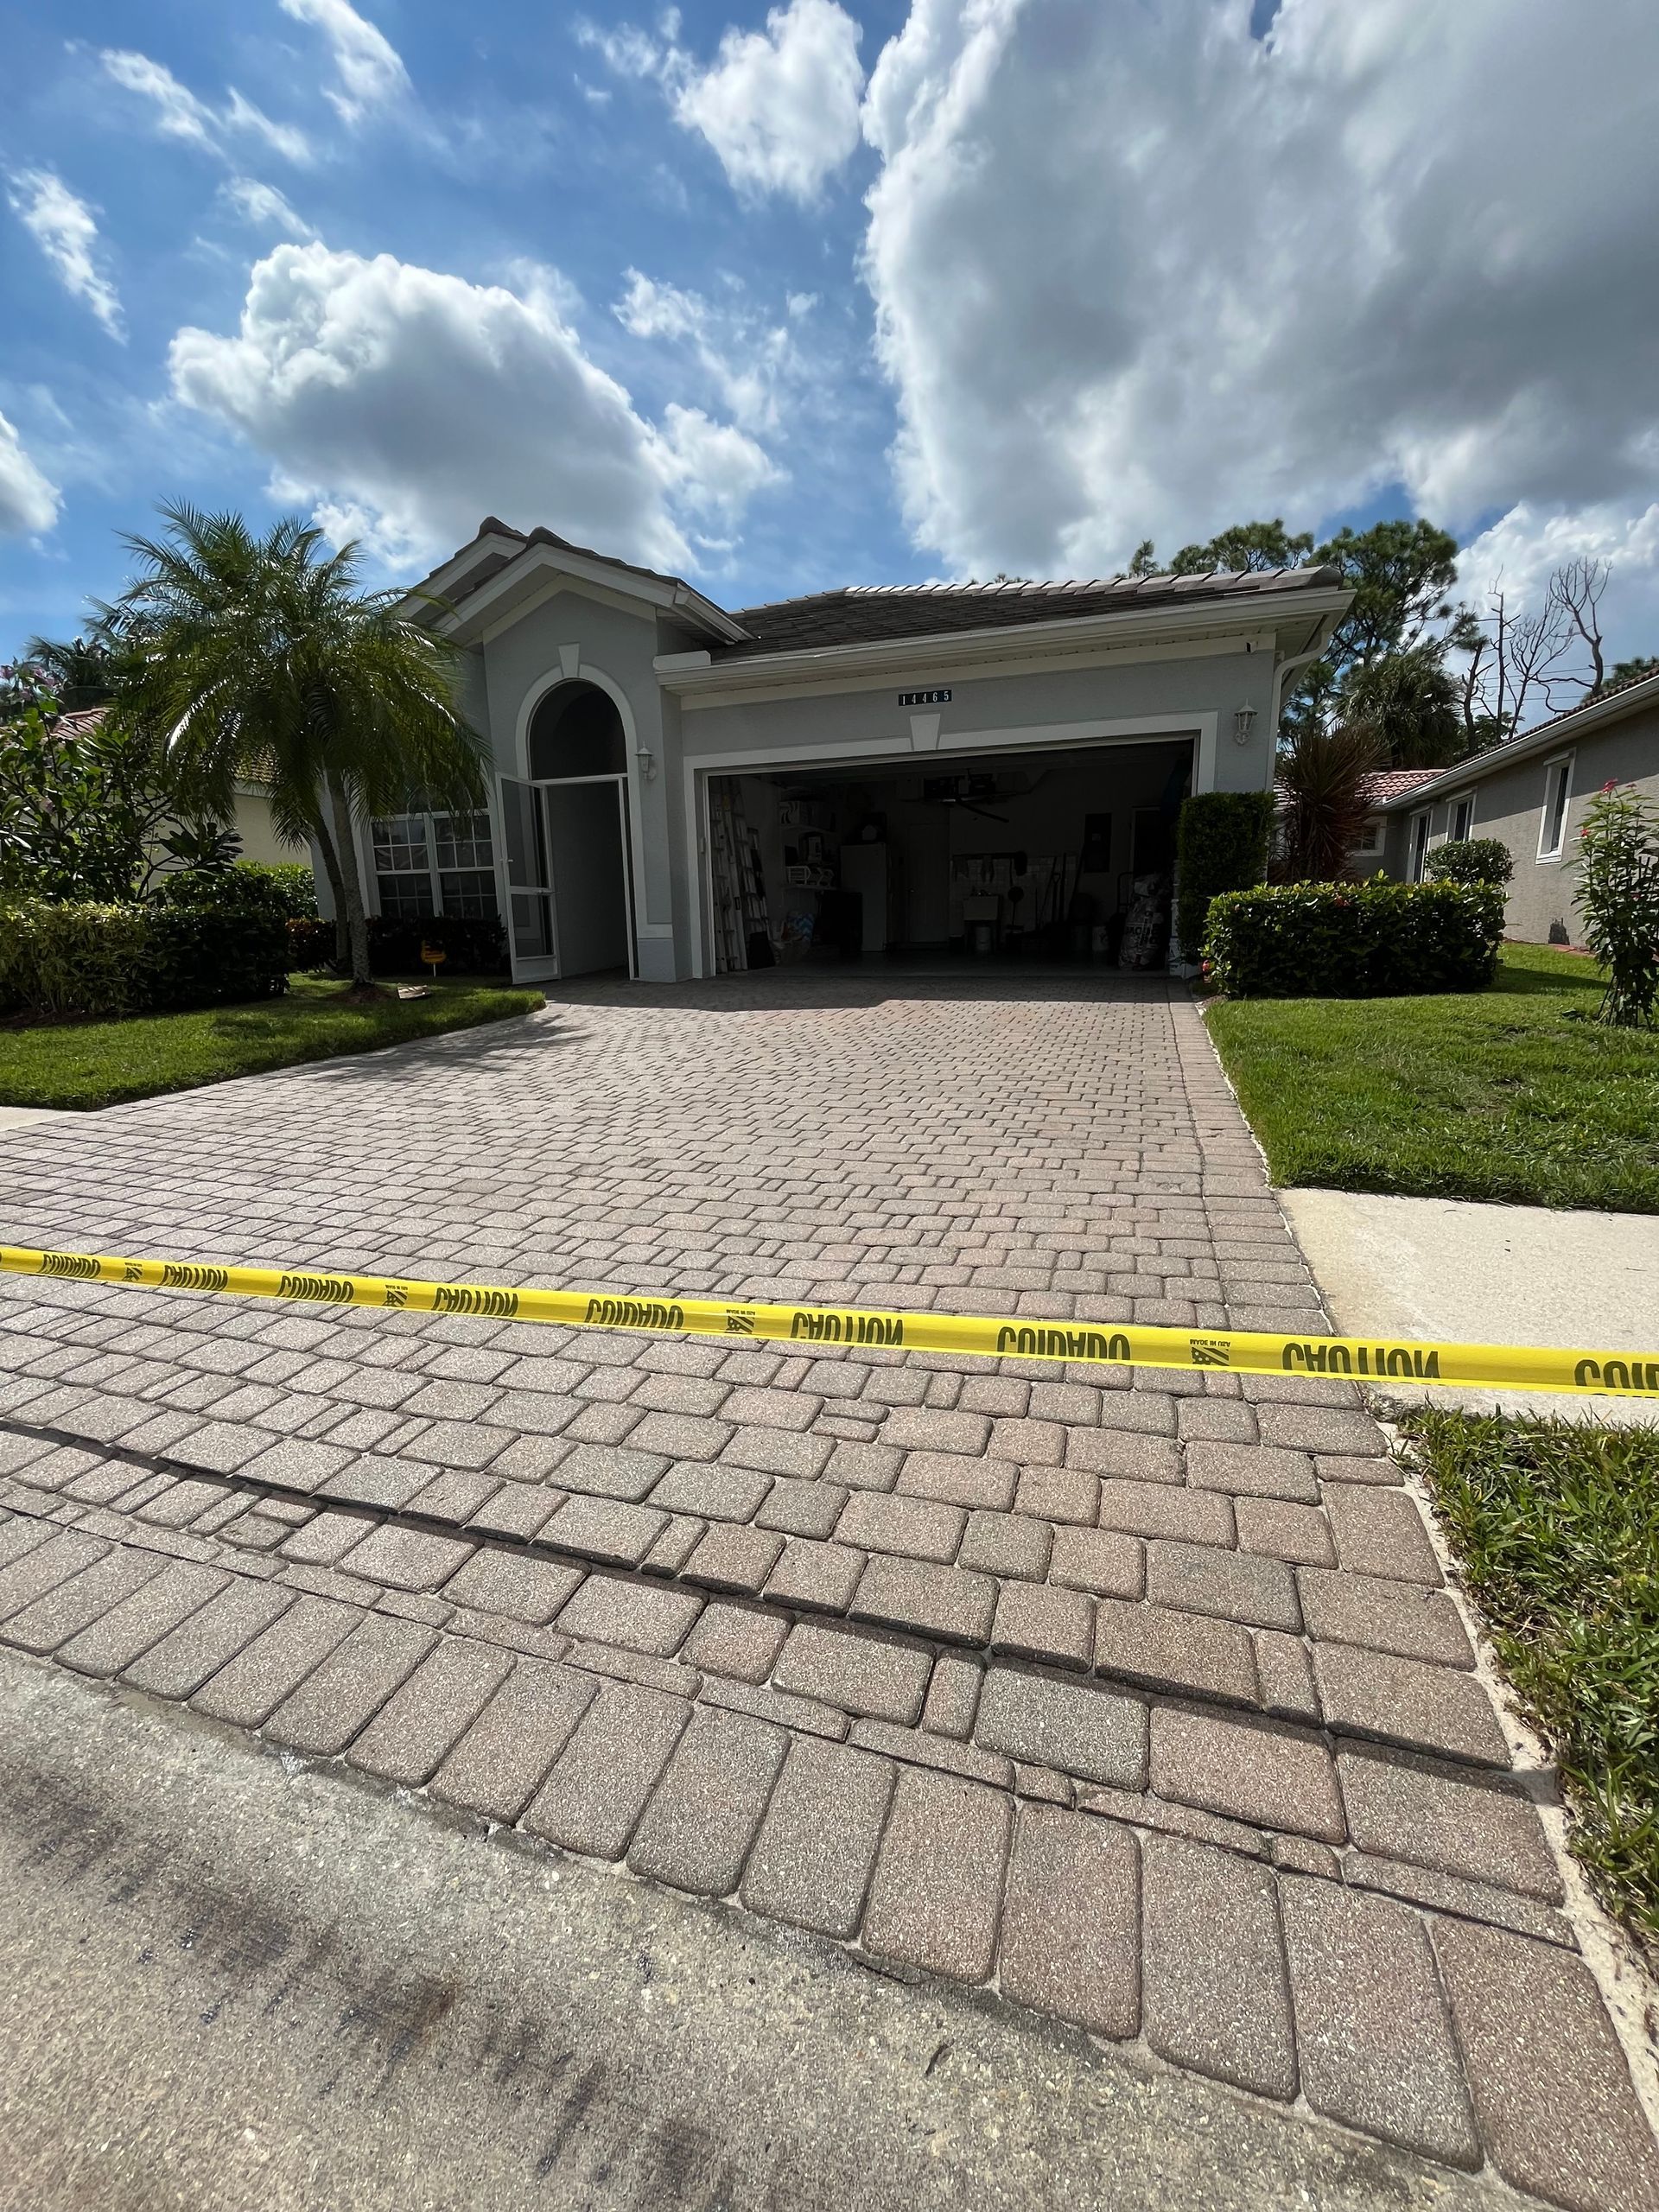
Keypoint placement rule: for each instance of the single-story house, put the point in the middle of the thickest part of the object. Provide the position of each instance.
(1530, 794)
(677, 790)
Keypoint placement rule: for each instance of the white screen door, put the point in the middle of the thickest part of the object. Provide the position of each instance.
(531, 928)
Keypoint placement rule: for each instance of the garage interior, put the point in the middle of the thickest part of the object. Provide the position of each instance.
(1052, 855)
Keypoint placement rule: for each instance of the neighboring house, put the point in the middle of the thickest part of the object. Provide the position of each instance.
(1377, 791)
(253, 822)
(676, 791)
(1530, 794)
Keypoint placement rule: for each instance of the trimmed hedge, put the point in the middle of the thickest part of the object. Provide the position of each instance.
(1380, 939)
(204, 939)
(1221, 844)
(78, 958)
(291, 880)
(473, 946)
(1471, 859)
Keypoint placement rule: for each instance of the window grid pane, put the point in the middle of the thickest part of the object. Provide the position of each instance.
(462, 841)
(405, 898)
(400, 844)
(470, 891)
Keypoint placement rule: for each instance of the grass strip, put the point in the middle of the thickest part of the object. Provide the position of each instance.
(1513, 1093)
(81, 1064)
(1557, 1527)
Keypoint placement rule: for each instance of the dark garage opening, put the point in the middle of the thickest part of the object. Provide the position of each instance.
(1011, 856)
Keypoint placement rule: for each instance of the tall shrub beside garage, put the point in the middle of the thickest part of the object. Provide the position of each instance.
(1221, 844)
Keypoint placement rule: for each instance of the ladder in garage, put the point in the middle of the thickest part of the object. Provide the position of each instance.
(736, 880)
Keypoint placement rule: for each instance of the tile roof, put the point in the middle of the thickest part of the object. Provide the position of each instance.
(1394, 782)
(863, 614)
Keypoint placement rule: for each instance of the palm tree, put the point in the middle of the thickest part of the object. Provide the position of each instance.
(1322, 809)
(1408, 701)
(263, 657)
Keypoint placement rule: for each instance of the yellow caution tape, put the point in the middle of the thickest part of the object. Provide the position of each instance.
(1245, 1352)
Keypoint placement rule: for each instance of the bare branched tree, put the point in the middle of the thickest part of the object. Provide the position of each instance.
(1525, 662)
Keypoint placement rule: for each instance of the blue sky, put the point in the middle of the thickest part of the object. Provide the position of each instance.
(845, 290)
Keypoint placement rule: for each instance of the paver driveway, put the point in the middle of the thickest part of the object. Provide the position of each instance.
(1138, 1698)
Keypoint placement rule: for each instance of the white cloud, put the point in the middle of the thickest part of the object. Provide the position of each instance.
(779, 107)
(180, 114)
(370, 70)
(746, 361)
(1523, 549)
(66, 230)
(716, 467)
(401, 403)
(28, 502)
(1137, 272)
(263, 208)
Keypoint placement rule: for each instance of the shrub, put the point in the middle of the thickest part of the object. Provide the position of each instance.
(1618, 869)
(473, 945)
(77, 957)
(476, 945)
(205, 939)
(1221, 844)
(311, 945)
(294, 883)
(1360, 940)
(218, 935)
(1471, 859)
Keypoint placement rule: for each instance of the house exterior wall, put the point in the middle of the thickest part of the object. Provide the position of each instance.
(252, 823)
(1509, 804)
(1188, 693)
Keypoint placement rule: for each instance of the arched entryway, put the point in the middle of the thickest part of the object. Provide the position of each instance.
(568, 838)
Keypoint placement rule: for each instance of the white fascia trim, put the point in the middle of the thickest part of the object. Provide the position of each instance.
(665, 592)
(1058, 662)
(688, 674)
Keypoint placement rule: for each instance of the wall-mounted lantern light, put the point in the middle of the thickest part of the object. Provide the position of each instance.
(647, 760)
(1243, 724)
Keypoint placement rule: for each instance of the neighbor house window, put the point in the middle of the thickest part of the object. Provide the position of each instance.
(1557, 779)
(434, 864)
(1419, 845)
(1370, 838)
(1463, 817)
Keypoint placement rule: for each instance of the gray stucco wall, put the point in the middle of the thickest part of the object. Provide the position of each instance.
(1510, 805)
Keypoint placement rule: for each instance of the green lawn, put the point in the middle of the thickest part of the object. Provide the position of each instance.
(1557, 1527)
(85, 1063)
(1510, 1094)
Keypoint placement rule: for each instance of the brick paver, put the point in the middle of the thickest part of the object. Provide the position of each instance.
(1136, 1696)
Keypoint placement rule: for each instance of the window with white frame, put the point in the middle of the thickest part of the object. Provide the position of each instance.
(1370, 838)
(1558, 786)
(434, 864)
(1463, 817)
(1419, 845)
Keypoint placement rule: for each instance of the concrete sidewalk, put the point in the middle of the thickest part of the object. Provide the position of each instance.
(1469, 1274)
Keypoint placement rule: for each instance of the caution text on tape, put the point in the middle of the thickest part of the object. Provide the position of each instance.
(1621, 1372)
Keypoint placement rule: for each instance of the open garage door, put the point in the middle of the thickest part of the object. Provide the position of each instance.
(1066, 854)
